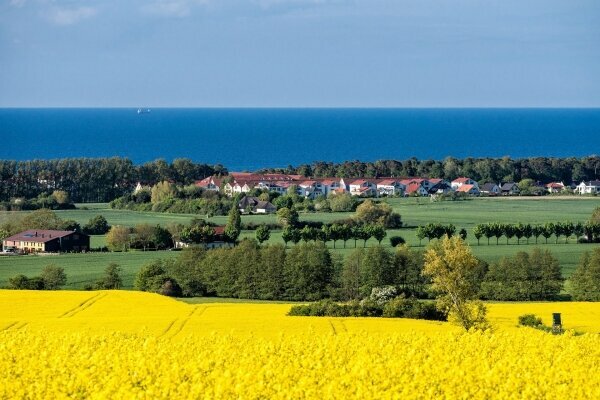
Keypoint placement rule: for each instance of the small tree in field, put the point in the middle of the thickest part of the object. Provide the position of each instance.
(234, 224)
(118, 238)
(263, 233)
(453, 270)
(111, 279)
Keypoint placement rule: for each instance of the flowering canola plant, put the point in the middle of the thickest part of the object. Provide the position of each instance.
(136, 345)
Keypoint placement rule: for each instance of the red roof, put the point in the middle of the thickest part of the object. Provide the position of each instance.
(38, 235)
(555, 185)
(435, 180)
(204, 182)
(328, 182)
(387, 182)
(219, 230)
(413, 187)
(465, 188)
(409, 181)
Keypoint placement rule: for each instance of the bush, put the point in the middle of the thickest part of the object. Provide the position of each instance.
(21, 282)
(170, 288)
(533, 321)
(530, 320)
(396, 240)
(151, 277)
(111, 279)
(53, 277)
(381, 295)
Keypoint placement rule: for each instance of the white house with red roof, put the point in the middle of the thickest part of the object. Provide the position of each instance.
(390, 187)
(210, 183)
(555, 187)
(458, 182)
(363, 187)
(416, 189)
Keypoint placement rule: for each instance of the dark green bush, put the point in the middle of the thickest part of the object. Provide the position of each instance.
(530, 320)
(396, 240)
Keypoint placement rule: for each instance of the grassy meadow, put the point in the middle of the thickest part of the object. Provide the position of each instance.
(84, 269)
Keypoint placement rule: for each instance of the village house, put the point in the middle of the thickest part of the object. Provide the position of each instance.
(591, 187)
(310, 189)
(439, 186)
(458, 182)
(390, 187)
(363, 188)
(251, 204)
(331, 185)
(49, 241)
(210, 183)
(491, 189)
(471, 190)
(416, 189)
(510, 189)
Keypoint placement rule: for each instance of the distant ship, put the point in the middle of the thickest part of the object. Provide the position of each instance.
(143, 110)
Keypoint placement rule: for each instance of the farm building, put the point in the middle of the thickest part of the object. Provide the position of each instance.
(38, 240)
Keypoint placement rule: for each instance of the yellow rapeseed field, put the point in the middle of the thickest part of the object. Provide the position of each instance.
(125, 345)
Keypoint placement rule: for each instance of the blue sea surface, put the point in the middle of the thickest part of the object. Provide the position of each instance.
(247, 139)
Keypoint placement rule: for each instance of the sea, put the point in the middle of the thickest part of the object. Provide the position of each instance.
(250, 139)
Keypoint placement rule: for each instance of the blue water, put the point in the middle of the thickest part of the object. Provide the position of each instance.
(255, 138)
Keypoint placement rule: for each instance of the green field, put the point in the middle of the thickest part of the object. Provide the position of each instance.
(83, 269)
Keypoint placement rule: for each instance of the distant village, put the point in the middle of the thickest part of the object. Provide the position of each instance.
(243, 182)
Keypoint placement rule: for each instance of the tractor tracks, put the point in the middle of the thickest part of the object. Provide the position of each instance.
(177, 325)
(84, 305)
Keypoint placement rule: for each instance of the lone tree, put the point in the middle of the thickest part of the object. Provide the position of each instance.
(97, 225)
(111, 279)
(234, 224)
(454, 273)
(263, 233)
(287, 217)
(117, 239)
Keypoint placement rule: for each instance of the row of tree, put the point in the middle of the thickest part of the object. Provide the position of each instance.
(506, 169)
(94, 179)
(519, 231)
(334, 233)
(437, 231)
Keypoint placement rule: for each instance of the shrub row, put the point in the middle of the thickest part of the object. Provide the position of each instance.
(399, 307)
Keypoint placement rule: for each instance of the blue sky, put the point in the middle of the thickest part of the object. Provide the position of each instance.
(299, 53)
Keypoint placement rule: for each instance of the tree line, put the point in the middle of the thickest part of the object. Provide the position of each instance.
(590, 229)
(94, 179)
(105, 179)
(309, 272)
(305, 272)
(505, 169)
